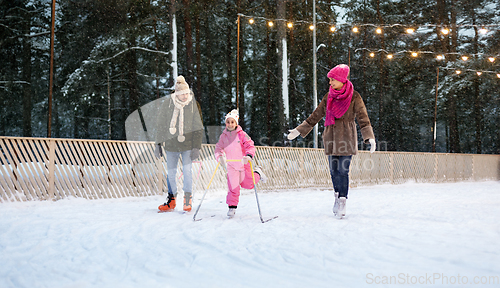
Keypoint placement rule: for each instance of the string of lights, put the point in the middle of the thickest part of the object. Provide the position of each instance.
(410, 29)
(439, 56)
(478, 72)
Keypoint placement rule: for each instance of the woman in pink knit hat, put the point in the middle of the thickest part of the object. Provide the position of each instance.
(340, 106)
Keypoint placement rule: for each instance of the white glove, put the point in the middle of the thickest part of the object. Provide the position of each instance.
(245, 159)
(373, 145)
(293, 134)
(222, 160)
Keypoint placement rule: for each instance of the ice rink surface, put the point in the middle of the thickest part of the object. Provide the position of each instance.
(432, 235)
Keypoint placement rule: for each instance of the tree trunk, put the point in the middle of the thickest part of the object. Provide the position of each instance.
(56, 129)
(157, 69)
(446, 46)
(382, 80)
(189, 41)
(454, 134)
(111, 103)
(212, 95)
(173, 44)
(363, 89)
(76, 124)
(281, 11)
(197, 91)
(268, 84)
(229, 61)
(292, 93)
(123, 116)
(477, 114)
(132, 76)
(441, 20)
(241, 86)
(26, 77)
(477, 96)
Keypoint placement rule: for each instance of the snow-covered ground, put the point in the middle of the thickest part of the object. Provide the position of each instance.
(420, 234)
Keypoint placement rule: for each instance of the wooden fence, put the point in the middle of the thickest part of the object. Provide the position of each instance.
(48, 168)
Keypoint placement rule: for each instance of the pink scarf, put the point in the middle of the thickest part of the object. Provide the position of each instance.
(338, 102)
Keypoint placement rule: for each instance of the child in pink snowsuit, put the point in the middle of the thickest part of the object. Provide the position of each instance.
(235, 144)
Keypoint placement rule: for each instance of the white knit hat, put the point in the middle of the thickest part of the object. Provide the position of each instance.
(181, 87)
(233, 114)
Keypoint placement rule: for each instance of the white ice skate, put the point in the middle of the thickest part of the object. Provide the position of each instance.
(263, 176)
(342, 208)
(336, 204)
(231, 212)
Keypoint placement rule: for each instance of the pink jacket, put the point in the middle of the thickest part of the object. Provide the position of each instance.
(235, 144)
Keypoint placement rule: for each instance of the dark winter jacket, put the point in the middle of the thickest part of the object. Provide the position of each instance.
(193, 126)
(341, 138)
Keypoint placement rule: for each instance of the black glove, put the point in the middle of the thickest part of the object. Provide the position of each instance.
(195, 153)
(158, 151)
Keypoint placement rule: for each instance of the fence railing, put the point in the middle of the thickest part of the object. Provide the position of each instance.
(48, 168)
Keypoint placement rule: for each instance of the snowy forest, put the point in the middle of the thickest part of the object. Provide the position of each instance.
(113, 56)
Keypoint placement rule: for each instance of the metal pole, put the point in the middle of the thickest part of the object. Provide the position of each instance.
(205, 193)
(315, 92)
(51, 72)
(238, 65)
(256, 196)
(435, 112)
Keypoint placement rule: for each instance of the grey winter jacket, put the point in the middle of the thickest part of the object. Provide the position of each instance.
(193, 126)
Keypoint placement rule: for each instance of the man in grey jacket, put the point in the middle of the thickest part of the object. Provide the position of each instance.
(180, 130)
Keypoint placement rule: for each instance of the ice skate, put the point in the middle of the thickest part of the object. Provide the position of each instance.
(187, 201)
(231, 212)
(169, 206)
(263, 176)
(336, 204)
(342, 208)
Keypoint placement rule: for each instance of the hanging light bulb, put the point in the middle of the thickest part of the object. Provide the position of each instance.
(332, 28)
(389, 56)
(445, 31)
(465, 58)
(355, 29)
(270, 23)
(410, 30)
(479, 73)
(414, 54)
(372, 54)
(440, 57)
(458, 72)
(311, 27)
(379, 30)
(492, 59)
(498, 75)
(290, 25)
(483, 30)
(251, 21)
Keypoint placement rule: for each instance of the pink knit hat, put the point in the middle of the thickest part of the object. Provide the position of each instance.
(339, 73)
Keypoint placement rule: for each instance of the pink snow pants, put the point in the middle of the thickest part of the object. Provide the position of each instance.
(235, 179)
